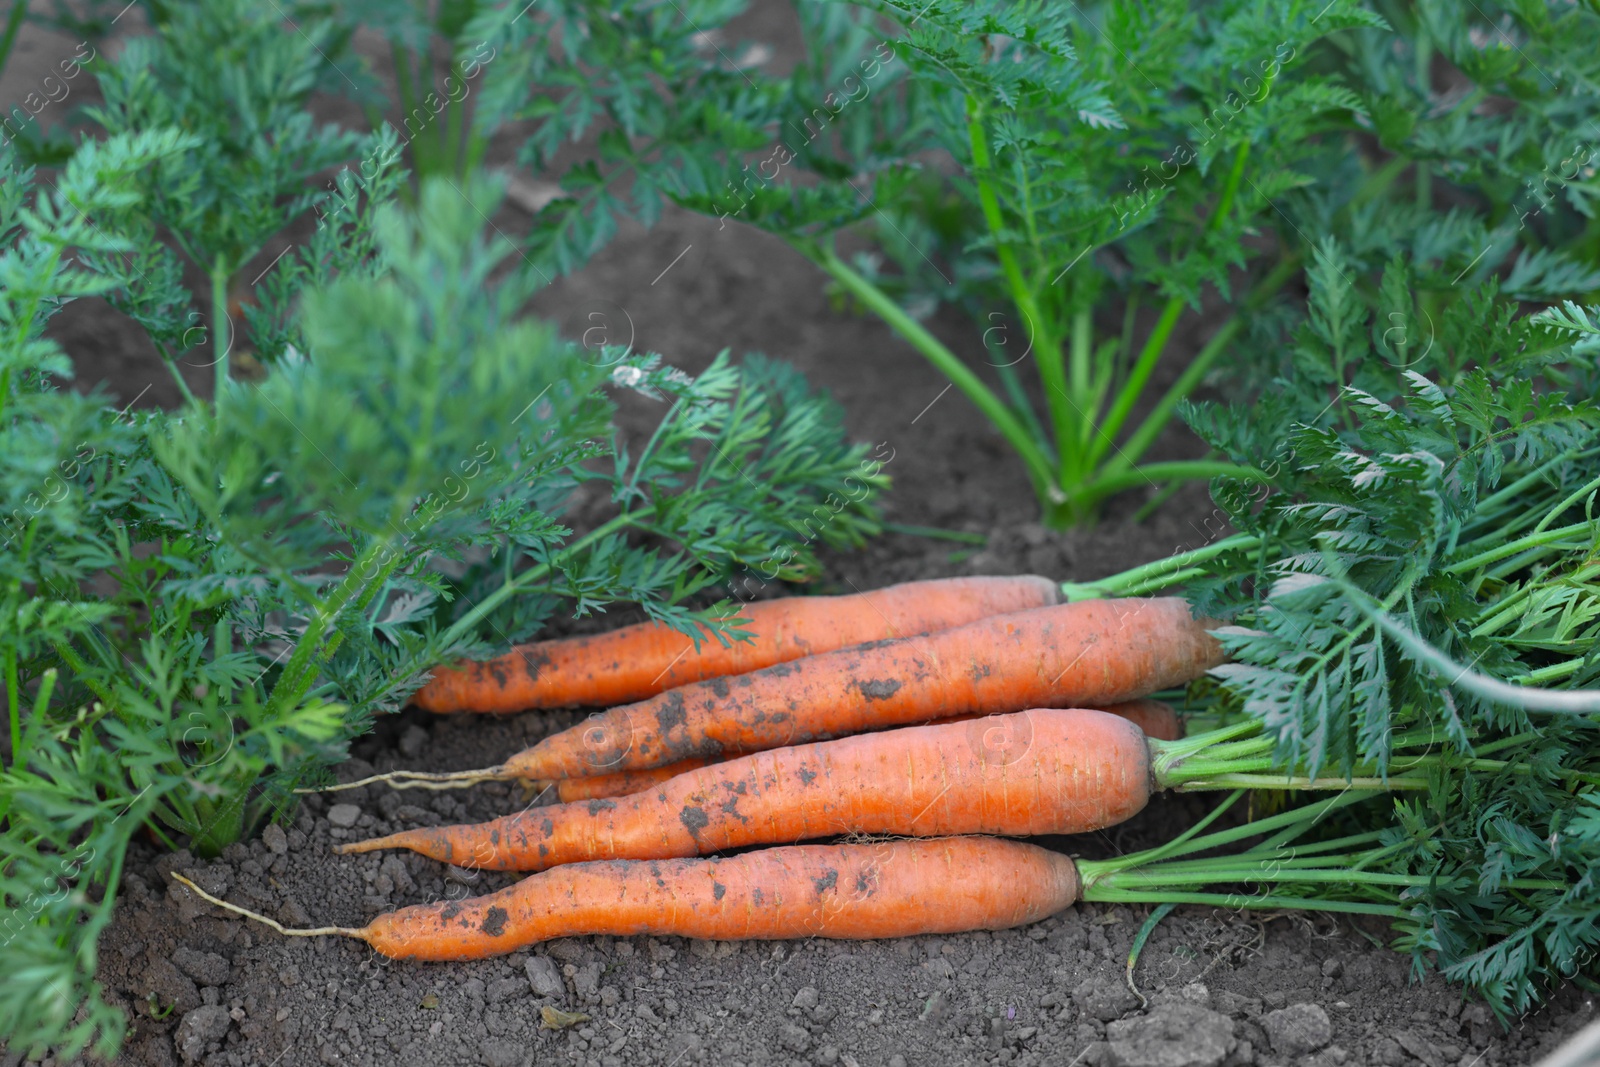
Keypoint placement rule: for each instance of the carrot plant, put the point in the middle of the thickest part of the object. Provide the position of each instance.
(1086, 182)
(201, 608)
(1414, 555)
(434, 108)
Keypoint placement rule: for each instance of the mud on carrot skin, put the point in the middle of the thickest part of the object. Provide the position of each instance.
(1084, 654)
(1157, 719)
(871, 890)
(1034, 772)
(636, 662)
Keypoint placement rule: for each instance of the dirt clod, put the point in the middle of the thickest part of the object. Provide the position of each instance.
(544, 977)
(275, 839)
(1297, 1029)
(1179, 1035)
(794, 1038)
(206, 968)
(344, 815)
(199, 1029)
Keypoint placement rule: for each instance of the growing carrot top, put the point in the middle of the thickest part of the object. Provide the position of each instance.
(388, 473)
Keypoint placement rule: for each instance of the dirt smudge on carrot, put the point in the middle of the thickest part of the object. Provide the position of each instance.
(494, 922)
(670, 715)
(695, 819)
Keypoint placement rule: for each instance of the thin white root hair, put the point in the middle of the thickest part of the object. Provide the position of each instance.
(320, 931)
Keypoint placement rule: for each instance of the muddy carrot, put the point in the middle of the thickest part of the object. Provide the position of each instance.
(636, 662)
(876, 889)
(1034, 772)
(1157, 719)
(1086, 654)
(622, 783)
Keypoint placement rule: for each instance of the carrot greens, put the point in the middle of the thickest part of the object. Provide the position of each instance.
(199, 609)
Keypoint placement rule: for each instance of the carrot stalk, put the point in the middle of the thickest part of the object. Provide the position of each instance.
(1085, 654)
(871, 890)
(639, 661)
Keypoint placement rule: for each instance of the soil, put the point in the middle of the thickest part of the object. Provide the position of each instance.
(1221, 987)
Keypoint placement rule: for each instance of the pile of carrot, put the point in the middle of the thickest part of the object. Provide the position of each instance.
(932, 710)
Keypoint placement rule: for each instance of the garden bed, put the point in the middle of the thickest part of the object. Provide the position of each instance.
(1218, 987)
(1040, 995)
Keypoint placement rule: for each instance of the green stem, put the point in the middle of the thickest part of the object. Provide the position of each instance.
(1572, 498)
(1222, 780)
(1512, 493)
(177, 375)
(1156, 344)
(1511, 548)
(513, 585)
(1152, 473)
(1146, 573)
(1039, 467)
(1554, 671)
(14, 706)
(1527, 698)
(1110, 894)
(13, 24)
(1152, 425)
(1273, 870)
(298, 673)
(220, 326)
(1128, 395)
(1064, 415)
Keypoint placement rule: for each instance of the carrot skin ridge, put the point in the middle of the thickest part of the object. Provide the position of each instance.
(871, 890)
(636, 662)
(1034, 772)
(1084, 654)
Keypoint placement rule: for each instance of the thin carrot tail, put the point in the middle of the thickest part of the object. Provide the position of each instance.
(486, 846)
(426, 841)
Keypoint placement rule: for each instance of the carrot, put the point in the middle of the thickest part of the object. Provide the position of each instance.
(622, 783)
(636, 662)
(877, 889)
(1035, 772)
(1157, 719)
(1089, 653)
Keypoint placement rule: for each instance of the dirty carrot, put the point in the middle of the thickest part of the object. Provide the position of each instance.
(1086, 654)
(876, 889)
(622, 783)
(639, 661)
(891, 888)
(1034, 772)
(1156, 718)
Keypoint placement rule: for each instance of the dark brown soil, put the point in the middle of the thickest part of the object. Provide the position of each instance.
(204, 988)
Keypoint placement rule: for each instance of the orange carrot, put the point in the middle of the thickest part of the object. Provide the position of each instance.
(640, 661)
(622, 783)
(1034, 772)
(1157, 719)
(1085, 654)
(877, 889)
